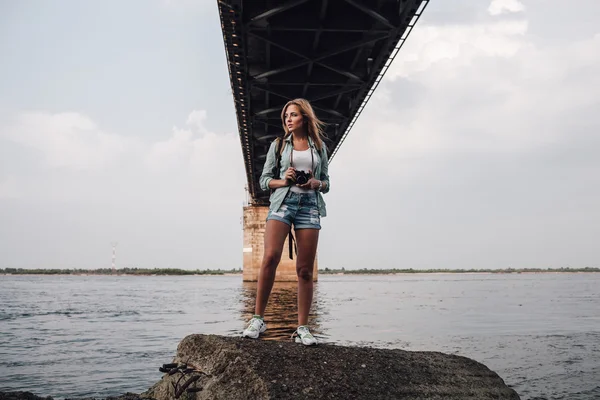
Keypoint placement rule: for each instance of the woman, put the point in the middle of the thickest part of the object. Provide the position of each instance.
(295, 200)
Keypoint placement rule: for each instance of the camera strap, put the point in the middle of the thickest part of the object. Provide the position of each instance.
(291, 240)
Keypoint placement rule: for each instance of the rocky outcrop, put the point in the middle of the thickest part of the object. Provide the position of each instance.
(31, 396)
(233, 368)
(228, 368)
(21, 396)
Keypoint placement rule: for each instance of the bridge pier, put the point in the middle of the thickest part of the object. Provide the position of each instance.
(254, 230)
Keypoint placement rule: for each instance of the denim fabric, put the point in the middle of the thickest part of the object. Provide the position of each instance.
(321, 172)
(299, 209)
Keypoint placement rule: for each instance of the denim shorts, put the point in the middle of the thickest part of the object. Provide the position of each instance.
(299, 209)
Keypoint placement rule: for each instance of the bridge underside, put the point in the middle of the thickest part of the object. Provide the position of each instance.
(331, 52)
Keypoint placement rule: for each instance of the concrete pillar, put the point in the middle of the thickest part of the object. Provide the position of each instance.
(255, 220)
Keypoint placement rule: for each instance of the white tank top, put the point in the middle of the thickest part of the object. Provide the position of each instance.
(302, 161)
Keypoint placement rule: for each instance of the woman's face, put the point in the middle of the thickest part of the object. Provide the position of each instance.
(293, 118)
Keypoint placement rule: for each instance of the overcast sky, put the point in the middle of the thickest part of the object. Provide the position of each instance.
(480, 149)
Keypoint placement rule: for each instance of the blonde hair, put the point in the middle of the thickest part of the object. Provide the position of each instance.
(314, 124)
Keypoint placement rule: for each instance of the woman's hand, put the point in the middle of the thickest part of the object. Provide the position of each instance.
(290, 175)
(311, 184)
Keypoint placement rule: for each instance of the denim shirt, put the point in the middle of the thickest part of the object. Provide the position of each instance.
(320, 172)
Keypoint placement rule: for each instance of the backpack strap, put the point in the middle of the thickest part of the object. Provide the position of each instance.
(291, 240)
(278, 156)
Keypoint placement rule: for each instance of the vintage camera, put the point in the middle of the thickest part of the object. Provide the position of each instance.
(302, 177)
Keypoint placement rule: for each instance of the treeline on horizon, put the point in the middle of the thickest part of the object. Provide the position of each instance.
(366, 271)
(120, 271)
(362, 271)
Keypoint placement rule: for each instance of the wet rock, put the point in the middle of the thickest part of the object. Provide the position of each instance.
(31, 396)
(234, 368)
(21, 396)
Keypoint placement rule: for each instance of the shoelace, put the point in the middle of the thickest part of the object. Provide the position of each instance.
(305, 333)
(254, 324)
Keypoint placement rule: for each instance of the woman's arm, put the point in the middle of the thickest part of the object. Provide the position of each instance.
(267, 173)
(267, 180)
(324, 170)
(277, 183)
(322, 183)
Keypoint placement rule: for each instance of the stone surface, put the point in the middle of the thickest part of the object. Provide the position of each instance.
(231, 368)
(21, 396)
(235, 368)
(31, 396)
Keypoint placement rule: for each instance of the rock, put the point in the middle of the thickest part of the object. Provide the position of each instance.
(21, 396)
(31, 396)
(234, 368)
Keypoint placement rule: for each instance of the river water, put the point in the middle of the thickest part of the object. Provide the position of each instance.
(76, 336)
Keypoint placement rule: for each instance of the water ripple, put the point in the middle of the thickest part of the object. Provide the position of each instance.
(104, 336)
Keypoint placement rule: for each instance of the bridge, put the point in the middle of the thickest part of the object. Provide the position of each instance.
(332, 52)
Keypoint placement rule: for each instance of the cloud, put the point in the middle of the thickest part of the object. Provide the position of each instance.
(190, 160)
(195, 148)
(73, 140)
(165, 201)
(67, 139)
(457, 46)
(477, 150)
(484, 87)
(498, 7)
(197, 119)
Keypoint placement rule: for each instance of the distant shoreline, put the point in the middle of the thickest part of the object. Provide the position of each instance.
(325, 271)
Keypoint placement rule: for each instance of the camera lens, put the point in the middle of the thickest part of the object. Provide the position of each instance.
(301, 177)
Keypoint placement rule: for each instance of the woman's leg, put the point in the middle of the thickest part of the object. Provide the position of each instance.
(275, 233)
(306, 240)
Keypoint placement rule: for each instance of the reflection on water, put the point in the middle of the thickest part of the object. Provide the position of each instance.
(281, 314)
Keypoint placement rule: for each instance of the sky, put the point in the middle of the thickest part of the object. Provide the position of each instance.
(479, 148)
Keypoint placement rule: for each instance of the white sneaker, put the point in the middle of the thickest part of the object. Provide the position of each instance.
(256, 326)
(304, 336)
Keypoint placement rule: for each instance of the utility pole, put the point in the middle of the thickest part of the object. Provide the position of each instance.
(114, 257)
